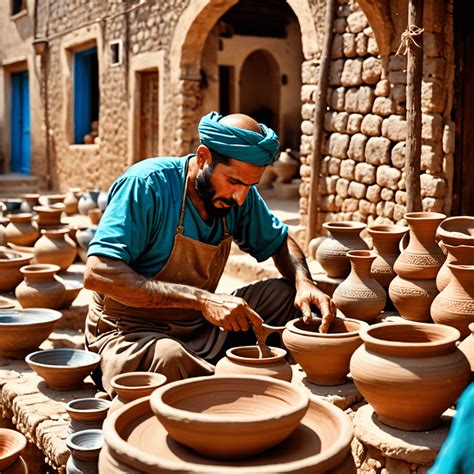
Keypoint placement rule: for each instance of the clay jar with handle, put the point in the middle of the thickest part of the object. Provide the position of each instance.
(323, 356)
(55, 246)
(410, 373)
(360, 296)
(454, 306)
(247, 360)
(460, 254)
(22, 230)
(40, 289)
(423, 257)
(132, 385)
(331, 253)
(386, 241)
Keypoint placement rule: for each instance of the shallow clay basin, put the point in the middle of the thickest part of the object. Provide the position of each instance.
(230, 417)
(136, 441)
(63, 369)
(23, 330)
(12, 443)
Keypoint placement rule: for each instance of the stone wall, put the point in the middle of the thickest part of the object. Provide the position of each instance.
(363, 154)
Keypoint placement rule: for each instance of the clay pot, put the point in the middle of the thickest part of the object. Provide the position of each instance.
(50, 199)
(23, 330)
(454, 306)
(386, 240)
(413, 298)
(457, 230)
(71, 200)
(21, 230)
(94, 215)
(324, 357)
(10, 264)
(459, 254)
(49, 216)
(55, 246)
(12, 205)
(40, 289)
(29, 201)
(102, 200)
(88, 201)
(246, 360)
(410, 373)
(423, 257)
(230, 417)
(132, 385)
(63, 369)
(136, 441)
(85, 447)
(73, 287)
(285, 167)
(12, 443)
(86, 414)
(83, 237)
(331, 253)
(360, 296)
(467, 348)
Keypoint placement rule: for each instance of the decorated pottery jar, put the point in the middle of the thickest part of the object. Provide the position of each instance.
(460, 254)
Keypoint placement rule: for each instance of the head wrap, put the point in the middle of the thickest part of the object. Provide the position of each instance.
(259, 149)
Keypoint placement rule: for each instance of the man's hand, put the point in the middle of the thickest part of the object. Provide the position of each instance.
(307, 294)
(229, 312)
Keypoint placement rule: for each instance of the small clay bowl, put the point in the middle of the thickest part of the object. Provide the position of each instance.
(12, 443)
(63, 369)
(85, 445)
(23, 330)
(86, 413)
(230, 417)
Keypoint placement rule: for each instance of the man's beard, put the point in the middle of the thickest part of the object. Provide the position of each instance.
(206, 192)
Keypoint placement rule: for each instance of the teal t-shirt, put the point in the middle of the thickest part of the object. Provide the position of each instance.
(140, 221)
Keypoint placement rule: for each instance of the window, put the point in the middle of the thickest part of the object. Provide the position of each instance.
(115, 52)
(17, 6)
(86, 96)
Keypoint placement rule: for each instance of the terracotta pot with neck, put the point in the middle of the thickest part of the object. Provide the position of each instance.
(331, 253)
(459, 254)
(454, 306)
(386, 241)
(71, 200)
(423, 257)
(22, 230)
(360, 296)
(56, 247)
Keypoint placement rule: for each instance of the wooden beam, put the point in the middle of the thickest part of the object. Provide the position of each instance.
(318, 133)
(414, 78)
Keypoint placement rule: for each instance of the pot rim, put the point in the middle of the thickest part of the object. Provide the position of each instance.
(74, 447)
(69, 406)
(387, 229)
(20, 217)
(361, 254)
(22, 256)
(424, 215)
(95, 359)
(154, 377)
(291, 326)
(19, 445)
(51, 317)
(344, 225)
(277, 354)
(40, 269)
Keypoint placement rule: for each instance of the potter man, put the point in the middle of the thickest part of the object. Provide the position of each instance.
(163, 243)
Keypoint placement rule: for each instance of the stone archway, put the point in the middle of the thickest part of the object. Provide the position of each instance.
(191, 31)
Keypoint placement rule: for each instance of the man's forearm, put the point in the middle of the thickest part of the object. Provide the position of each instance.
(121, 283)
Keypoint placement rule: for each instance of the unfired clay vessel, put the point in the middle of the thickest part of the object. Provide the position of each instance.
(360, 296)
(410, 373)
(12, 443)
(457, 230)
(247, 360)
(55, 246)
(386, 241)
(413, 298)
(230, 417)
(21, 230)
(84, 447)
(331, 253)
(423, 257)
(71, 199)
(132, 385)
(460, 254)
(324, 357)
(40, 289)
(29, 201)
(10, 264)
(454, 306)
(86, 413)
(467, 348)
(136, 442)
(49, 216)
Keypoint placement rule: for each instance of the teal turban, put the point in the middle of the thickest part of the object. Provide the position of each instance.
(259, 149)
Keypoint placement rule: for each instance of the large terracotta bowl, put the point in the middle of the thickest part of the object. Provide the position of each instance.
(23, 330)
(63, 369)
(230, 417)
(12, 443)
(457, 230)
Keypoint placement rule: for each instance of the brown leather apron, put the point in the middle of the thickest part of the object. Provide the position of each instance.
(127, 337)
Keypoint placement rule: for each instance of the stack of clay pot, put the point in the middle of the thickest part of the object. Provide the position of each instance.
(414, 288)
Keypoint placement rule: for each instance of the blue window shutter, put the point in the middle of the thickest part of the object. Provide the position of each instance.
(20, 123)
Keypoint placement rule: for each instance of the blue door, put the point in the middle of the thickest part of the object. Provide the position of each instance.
(20, 124)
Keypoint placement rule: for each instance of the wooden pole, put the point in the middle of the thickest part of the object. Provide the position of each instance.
(414, 78)
(320, 109)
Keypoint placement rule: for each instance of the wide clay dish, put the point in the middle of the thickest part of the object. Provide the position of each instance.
(23, 330)
(63, 369)
(138, 443)
(12, 443)
(230, 417)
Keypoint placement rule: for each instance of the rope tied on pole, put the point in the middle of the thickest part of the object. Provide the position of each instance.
(408, 39)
